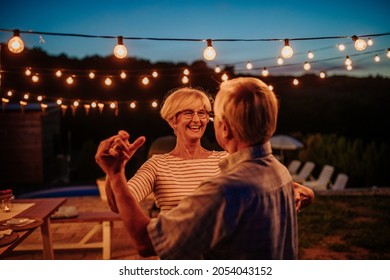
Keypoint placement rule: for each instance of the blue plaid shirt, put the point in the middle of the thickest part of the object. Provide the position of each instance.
(246, 212)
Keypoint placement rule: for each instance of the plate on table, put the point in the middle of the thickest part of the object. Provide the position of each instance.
(19, 224)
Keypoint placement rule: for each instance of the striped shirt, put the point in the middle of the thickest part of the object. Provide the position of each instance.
(170, 178)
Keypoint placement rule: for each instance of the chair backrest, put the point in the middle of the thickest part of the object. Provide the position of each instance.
(340, 182)
(306, 170)
(325, 175)
(294, 166)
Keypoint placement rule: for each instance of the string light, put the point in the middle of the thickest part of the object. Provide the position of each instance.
(28, 71)
(120, 50)
(186, 72)
(310, 55)
(58, 73)
(341, 47)
(348, 61)
(16, 44)
(69, 80)
(265, 72)
(145, 81)
(224, 77)
(388, 53)
(154, 104)
(287, 51)
(217, 69)
(377, 58)
(280, 61)
(249, 65)
(123, 75)
(306, 66)
(295, 82)
(155, 74)
(108, 81)
(209, 52)
(91, 75)
(322, 75)
(35, 78)
(360, 44)
(185, 80)
(133, 105)
(370, 42)
(349, 67)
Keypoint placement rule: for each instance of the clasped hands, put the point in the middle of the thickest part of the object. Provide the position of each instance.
(114, 152)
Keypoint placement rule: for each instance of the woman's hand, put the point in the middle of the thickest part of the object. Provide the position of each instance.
(114, 152)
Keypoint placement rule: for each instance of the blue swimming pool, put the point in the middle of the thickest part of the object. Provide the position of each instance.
(67, 191)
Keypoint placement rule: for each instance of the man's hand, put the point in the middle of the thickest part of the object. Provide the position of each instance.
(303, 196)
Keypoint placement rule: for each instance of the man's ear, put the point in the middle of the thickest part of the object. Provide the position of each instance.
(226, 130)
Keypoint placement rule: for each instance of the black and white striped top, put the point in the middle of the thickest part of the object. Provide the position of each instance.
(171, 179)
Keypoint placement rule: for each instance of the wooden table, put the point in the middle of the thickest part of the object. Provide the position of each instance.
(43, 208)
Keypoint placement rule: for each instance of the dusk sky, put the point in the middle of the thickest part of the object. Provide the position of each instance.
(210, 20)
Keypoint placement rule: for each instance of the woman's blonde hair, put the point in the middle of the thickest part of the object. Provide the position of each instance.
(182, 99)
(249, 107)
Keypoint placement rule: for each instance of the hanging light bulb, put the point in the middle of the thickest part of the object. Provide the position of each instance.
(186, 72)
(349, 67)
(145, 81)
(370, 42)
(310, 55)
(28, 71)
(209, 52)
(58, 73)
(133, 105)
(270, 87)
(249, 65)
(15, 44)
(69, 80)
(280, 61)
(341, 47)
(91, 75)
(155, 74)
(287, 51)
(377, 58)
(306, 66)
(322, 75)
(123, 75)
(108, 81)
(225, 77)
(348, 61)
(154, 104)
(265, 72)
(388, 53)
(360, 44)
(120, 50)
(185, 80)
(217, 69)
(295, 82)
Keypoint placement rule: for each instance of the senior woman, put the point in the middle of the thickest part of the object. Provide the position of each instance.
(175, 175)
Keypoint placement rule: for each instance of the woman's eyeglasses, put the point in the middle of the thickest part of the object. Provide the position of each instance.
(189, 114)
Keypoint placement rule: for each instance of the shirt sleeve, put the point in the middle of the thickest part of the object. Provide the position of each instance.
(144, 180)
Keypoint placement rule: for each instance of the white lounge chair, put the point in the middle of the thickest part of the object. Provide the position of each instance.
(304, 173)
(340, 183)
(294, 166)
(321, 183)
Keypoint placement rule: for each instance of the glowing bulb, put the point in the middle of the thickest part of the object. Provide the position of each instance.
(93, 104)
(322, 75)
(39, 98)
(306, 66)
(59, 101)
(217, 69)
(123, 75)
(225, 77)
(120, 50)
(388, 53)
(76, 103)
(35, 78)
(341, 47)
(249, 65)
(154, 104)
(186, 72)
(112, 105)
(377, 58)
(310, 55)
(270, 87)
(360, 44)
(108, 82)
(145, 81)
(15, 44)
(185, 80)
(348, 61)
(349, 67)
(58, 73)
(209, 53)
(91, 75)
(280, 61)
(27, 72)
(69, 80)
(370, 42)
(287, 51)
(26, 96)
(132, 105)
(9, 93)
(265, 72)
(155, 74)
(295, 82)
